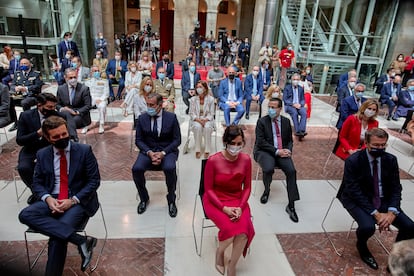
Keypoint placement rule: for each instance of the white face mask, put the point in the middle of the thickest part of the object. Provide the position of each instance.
(275, 95)
(133, 69)
(147, 88)
(295, 82)
(234, 150)
(72, 82)
(369, 113)
(200, 90)
(255, 73)
(98, 56)
(352, 84)
(117, 57)
(67, 56)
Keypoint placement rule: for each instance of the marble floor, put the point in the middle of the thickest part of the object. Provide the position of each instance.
(155, 244)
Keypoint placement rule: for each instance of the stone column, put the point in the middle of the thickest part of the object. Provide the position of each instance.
(257, 34)
(211, 22)
(185, 13)
(269, 22)
(108, 22)
(145, 10)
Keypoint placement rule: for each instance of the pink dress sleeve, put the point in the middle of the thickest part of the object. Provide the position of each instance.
(247, 183)
(209, 173)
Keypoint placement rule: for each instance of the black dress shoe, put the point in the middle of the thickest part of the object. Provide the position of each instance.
(85, 250)
(366, 256)
(142, 206)
(172, 209)
(265, 197)
(247, 116)
(32, 199)
(13, 128)
(292, 213)
(304, 133)
(394, 118)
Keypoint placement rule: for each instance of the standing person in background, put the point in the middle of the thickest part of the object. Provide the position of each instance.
(117, 43)
(101, 44)
(287, 60)
(244, 52)
(275, 63)
(65, 64)
(56, 66)
(265, 52)
(408, 70)
(307, 88)
(399, 64)
(101, 62)
(67, 44)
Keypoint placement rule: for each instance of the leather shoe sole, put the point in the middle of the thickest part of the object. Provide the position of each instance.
(292, 214)
(86, 250)
(172, 210)
(264, 198)
(142, 206)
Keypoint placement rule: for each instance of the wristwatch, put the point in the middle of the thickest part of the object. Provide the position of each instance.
(163, 153)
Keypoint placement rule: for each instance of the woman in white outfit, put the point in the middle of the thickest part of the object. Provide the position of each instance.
(133, 79)
(202, 118)
(139, 103)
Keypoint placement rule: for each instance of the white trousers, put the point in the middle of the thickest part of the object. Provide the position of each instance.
(199, 132)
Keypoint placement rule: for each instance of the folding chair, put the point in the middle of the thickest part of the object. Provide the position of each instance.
(16, 176)
(257, 178)
(186, 146)
(32, 264)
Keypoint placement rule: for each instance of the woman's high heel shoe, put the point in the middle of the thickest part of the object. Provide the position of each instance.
(220, 268)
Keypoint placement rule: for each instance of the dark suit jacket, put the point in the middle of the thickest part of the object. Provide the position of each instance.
(404, 103)
(62, 49)
(357, 188)
(29, 124)
(380, 82)
(169, 138)
(342, 94)
(185, 80)
(386, 92)
(264, 135)
(260, 76)
(348, 107)
(111, 68)
(248, 86)
(14, 66)
(4, 105)
(169, 73)
(82, 101)
(32, 81)
(224, 90)
(84, 178)
(288, 95)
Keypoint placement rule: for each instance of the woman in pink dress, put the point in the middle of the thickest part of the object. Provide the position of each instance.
(227, 183)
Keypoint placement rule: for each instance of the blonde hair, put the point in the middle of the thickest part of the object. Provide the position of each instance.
(142, 85)
(132, 63)
(365, 105)
(272, 89)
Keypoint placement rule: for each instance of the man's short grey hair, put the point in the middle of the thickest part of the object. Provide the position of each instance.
(68, 70)
(295, 75)
(360, 85)
(401, 258)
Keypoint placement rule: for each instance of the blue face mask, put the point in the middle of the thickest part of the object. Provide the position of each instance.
(161, 76)
(411, 87)
(272, 113)
(151, 111)
(74, 65)
(96, 75)
(359, 94)
(24, 67)
(192, 69)
(17, 57)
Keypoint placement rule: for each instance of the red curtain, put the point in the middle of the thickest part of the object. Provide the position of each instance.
(166, 32)
(202, 18)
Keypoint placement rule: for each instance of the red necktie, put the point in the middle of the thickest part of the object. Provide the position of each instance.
(64, 190)
(279, 138)
(376, 200)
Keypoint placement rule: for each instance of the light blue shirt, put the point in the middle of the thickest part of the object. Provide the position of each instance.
(254, 86)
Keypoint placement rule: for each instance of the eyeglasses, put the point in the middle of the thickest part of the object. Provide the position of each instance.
(379, 145)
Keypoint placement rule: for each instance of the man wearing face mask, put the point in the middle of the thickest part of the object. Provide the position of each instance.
(74, 99)
(287, 60)
(26, 85)
(405, 105)
(30, 136)
(264, 74)
(101, 62)
(167, 65)
(165, 87)
(231, 96)
(389, 95)
(253, 90)
(101, 44)
(273, 148)
(115, 72)
(371, 193)
(67, 44)
(345, 91)
(351, 104)
(82, 71)
(244, 52)
(66, 179)
(157, 137)
(384, 79)
(188, 83)
(214, 77)
(294, 99)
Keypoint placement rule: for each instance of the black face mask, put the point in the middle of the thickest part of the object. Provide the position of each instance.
(375, 152)
(231, 77)
(48, 112)
(166, 60)
(62, 143)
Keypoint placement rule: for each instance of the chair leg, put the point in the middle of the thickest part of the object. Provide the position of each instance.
(326, 232)
(194, 234)
(18, 195)
(31, 265)
(104, 241)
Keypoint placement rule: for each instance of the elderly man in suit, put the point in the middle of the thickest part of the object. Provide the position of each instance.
(351, 104)
(30, 136)
(345, 91)
(66, 179)
(67, 44)
(273, 148)
(231, 96)
(294, 99)
(75, 100)
(82, 71)
(389, 95)
(165, 87)
(167, 65)
(115, 72)
(405, 105)
(189, 80)
(253, 90)
(157, 137)
(371, 193)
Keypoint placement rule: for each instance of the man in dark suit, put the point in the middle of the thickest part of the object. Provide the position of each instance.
(30, 136)
(371, 193)
(273, 148)
(244, 52)
(405, 104)
(157, 137)
(231, 96)
(75, 100)
(389, 95)
(351, 104)
(66, 179)
(294, 99)
(253, 90)
(168, 66)
(67, 44)
(345, 91)
(188, 82)
(115, 71)
(384, 79)
(264, 74)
